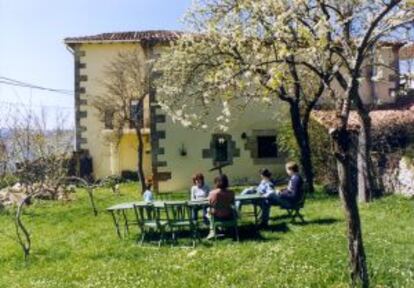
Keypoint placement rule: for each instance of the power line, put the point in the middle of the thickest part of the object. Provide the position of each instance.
(34, 86)
(17, 83)
(37, 87)
(36, 106)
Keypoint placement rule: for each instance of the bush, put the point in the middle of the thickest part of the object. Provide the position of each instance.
(322, 159)
(112, 182)
(129, 175)
(7, 180)
(409, 154)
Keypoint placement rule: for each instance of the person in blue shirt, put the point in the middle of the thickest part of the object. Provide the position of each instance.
(291, 194)
(148, 196)
(266, 187)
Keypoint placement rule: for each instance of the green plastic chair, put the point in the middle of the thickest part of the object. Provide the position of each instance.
(230, 223)
(149, 220)
(293, 209)
(179, 216)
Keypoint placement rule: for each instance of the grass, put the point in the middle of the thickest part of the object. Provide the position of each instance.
(72, 248)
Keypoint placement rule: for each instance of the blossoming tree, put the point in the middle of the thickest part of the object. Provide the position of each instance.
(243, 51)
(269, 50)
(356, 28)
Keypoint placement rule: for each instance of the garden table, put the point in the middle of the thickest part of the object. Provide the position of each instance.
(119, 211)
(253, 199)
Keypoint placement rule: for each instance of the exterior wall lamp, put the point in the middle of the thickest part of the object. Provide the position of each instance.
(182, 150)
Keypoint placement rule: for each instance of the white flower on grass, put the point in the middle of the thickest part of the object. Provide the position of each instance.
(192, 253)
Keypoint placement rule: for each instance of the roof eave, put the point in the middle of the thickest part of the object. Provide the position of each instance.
(75, 42)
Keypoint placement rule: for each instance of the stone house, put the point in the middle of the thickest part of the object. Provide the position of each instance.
(173, 153)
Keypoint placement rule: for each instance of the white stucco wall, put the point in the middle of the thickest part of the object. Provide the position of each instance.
(243, 169)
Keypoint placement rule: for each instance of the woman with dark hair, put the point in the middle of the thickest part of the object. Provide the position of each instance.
(221, 201)
(199, 191)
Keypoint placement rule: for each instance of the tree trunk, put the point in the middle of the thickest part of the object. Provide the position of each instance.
(366, 175)
(22, 235)
(358, 268)
(140, 151)
(306, 162)
(302, 139)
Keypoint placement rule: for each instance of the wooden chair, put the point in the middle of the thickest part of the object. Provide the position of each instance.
(179, 216)
(149, 220)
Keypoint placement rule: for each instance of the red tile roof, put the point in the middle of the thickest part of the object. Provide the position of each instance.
(133, 36)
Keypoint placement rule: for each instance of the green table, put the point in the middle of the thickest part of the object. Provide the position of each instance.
(119, 211)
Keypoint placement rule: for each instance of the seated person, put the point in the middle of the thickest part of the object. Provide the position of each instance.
(292, 194)
(221, 201)
(294, 191)
(199, 191)
(148, 197)
(265, 188)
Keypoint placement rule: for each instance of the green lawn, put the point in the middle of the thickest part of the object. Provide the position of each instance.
(72, 248)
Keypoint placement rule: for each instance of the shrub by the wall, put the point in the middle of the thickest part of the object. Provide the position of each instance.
(322, 159)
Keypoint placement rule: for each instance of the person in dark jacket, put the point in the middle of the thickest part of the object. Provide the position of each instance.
(292, 194)
(294, 191)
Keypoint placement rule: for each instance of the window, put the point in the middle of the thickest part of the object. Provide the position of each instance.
(109, 119)
(221, 151)
(266, 147)
(136, 114)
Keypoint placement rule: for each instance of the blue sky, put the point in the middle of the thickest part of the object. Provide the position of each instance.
(32, 49)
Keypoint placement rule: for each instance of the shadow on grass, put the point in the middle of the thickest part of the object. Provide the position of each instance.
(320, 221)
(247, 232)
(251, 232)
(276, 227)
(325, 221)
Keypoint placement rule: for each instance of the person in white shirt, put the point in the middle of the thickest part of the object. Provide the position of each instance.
(148, 196)
(199, 191)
